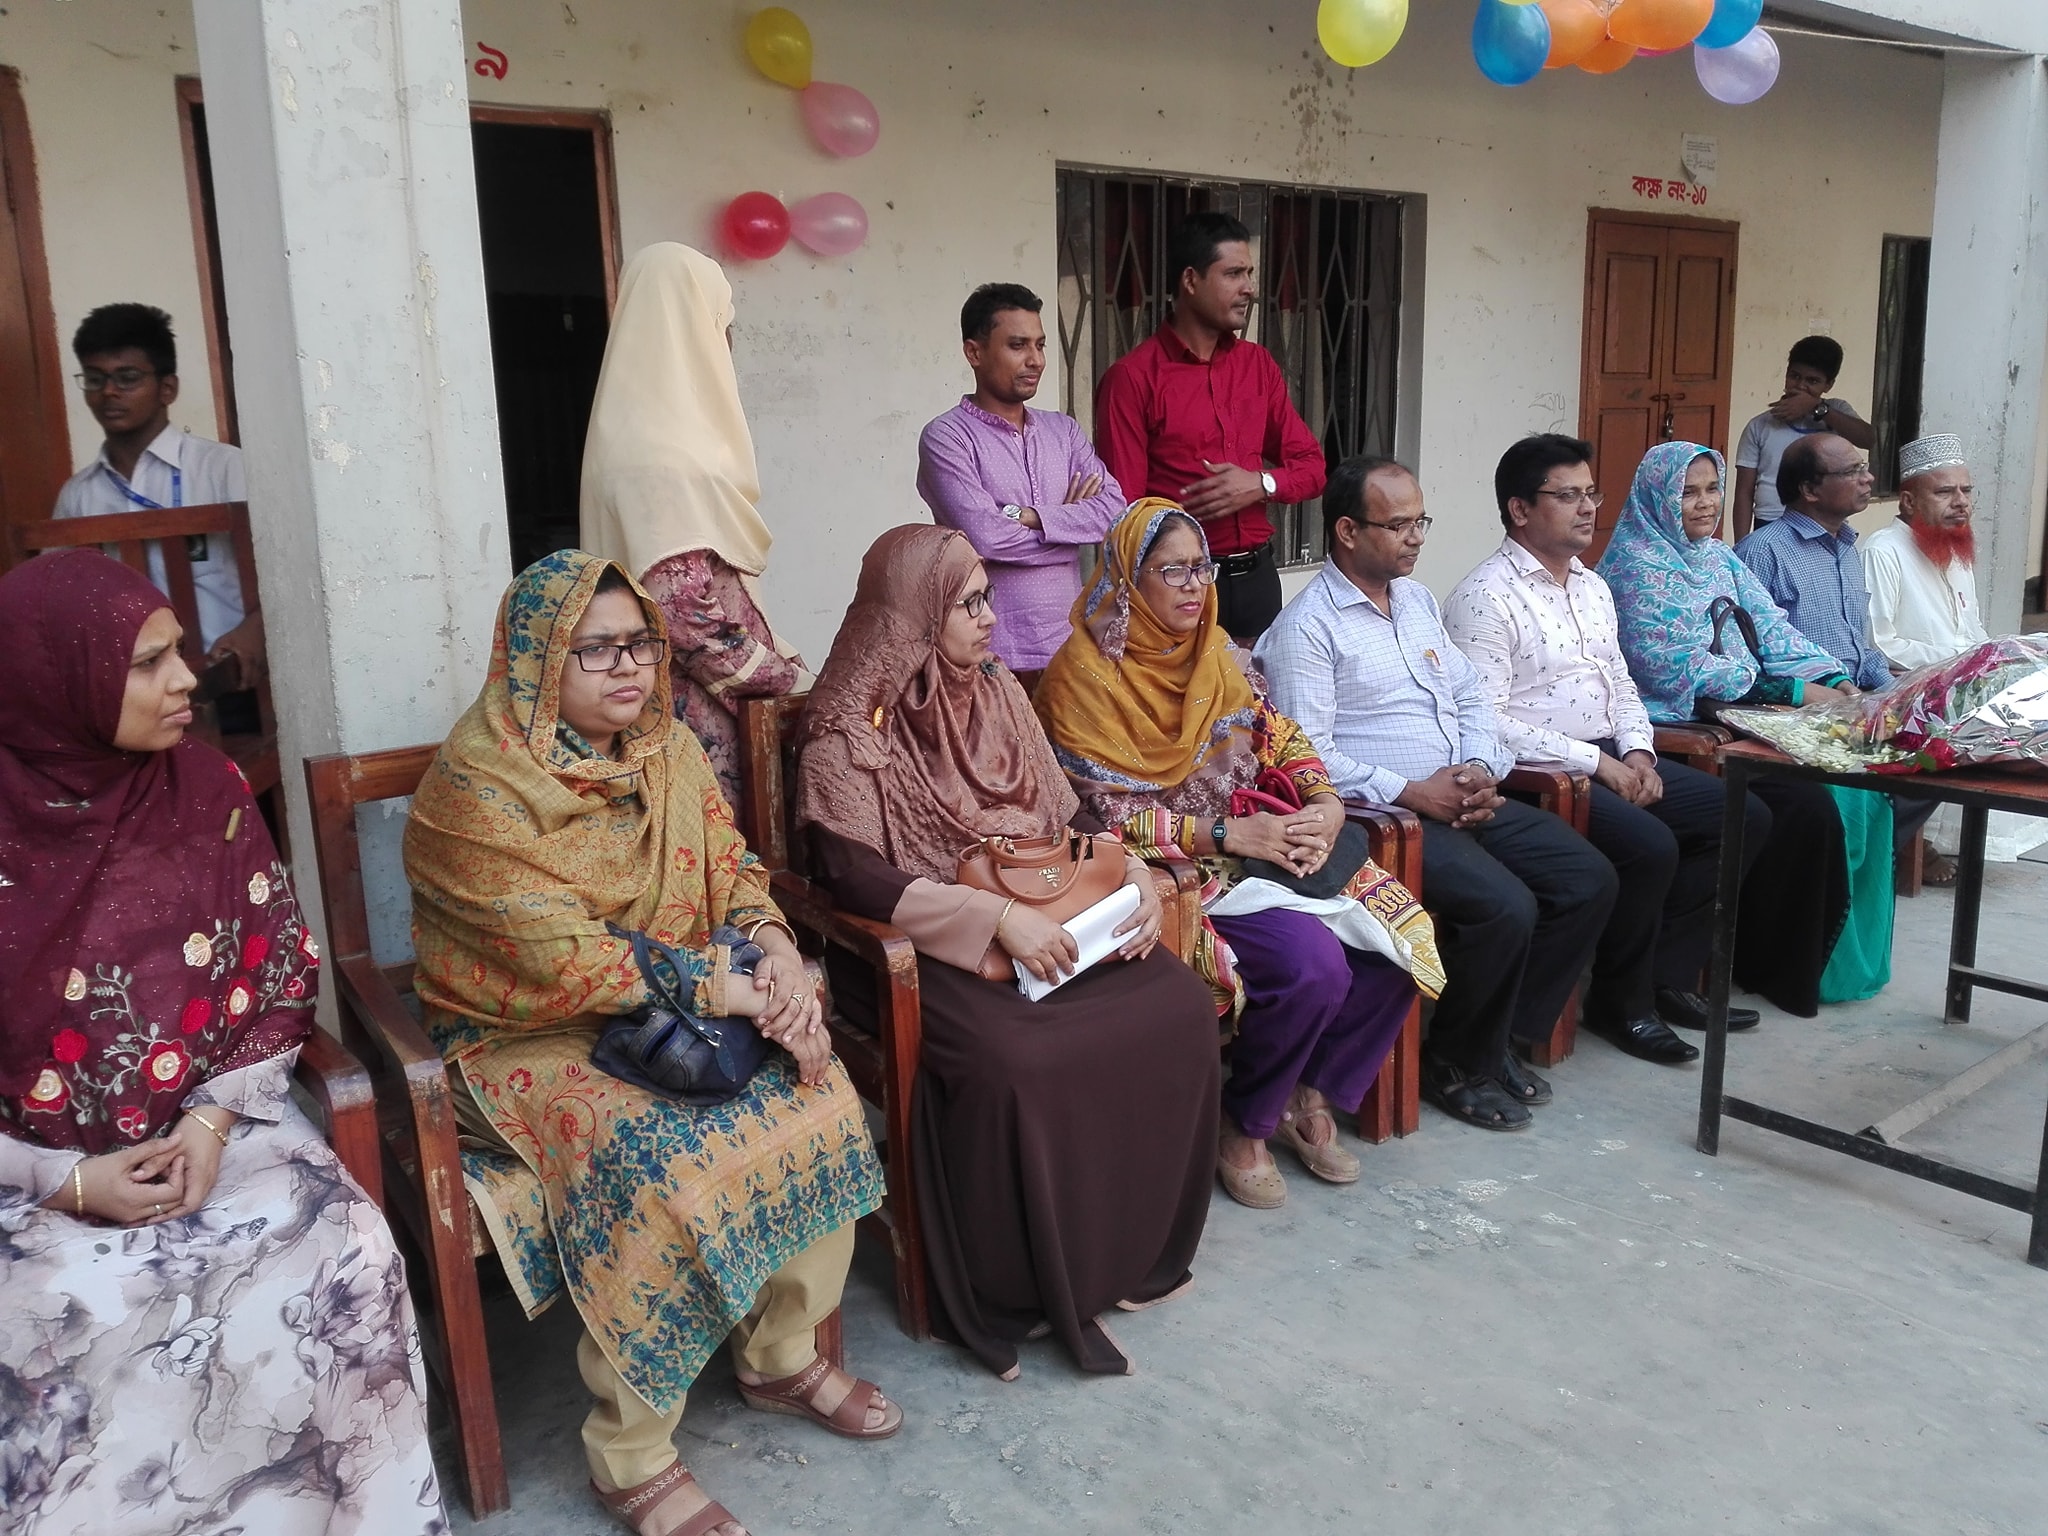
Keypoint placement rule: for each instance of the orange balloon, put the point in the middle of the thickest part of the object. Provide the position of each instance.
(1577, 27)
(1659, 23)
(1607, 57)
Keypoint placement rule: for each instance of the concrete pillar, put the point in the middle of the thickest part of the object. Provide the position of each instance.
(355, 296)
(1987, 304)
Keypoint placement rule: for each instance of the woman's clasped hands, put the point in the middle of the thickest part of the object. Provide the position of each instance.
(165, 1177)
(1301, 840)
(783, 1004)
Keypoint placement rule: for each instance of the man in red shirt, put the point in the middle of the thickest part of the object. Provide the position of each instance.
(1201, 416)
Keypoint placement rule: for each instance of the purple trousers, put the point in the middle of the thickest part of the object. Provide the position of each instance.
(1315, 1012)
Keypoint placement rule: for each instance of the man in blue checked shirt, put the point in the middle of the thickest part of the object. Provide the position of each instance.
(1808, 560)
(1361, 661)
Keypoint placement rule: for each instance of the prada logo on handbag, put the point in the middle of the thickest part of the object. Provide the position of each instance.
(1050, 876)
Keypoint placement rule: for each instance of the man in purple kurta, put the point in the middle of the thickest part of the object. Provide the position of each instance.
(1023, 485)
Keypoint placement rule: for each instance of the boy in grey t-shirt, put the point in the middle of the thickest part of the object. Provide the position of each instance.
(1805, 407)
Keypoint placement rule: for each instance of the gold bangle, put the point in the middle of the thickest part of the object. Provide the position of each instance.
(78, 1188)
(219, 1135)
(1003, 914)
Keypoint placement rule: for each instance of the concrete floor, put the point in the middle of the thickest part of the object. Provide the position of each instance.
(1587, 1328)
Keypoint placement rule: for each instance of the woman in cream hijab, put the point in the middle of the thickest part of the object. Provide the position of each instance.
(670, 491)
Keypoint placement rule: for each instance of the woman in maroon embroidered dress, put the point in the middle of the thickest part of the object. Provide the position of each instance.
(670, 490)
(205, 1320)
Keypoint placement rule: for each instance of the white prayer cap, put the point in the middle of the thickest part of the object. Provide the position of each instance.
(1929, 453)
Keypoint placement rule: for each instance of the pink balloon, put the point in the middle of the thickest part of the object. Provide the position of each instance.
(831, 224)
(754, 226)
(841, 119)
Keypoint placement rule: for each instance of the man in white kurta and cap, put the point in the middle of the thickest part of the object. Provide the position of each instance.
(1921, 571)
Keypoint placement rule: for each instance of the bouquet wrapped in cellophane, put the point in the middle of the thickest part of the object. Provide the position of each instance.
(1985, 707)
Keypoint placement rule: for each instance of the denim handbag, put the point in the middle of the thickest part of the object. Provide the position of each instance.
(665, 1048)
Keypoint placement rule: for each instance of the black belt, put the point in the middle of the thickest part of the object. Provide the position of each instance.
(1241, 564)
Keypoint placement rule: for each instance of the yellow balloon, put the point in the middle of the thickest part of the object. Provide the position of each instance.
(1356, 33)
(780, 45)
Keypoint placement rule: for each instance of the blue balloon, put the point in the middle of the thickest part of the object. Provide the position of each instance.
(1731, 23)
(1510, 42)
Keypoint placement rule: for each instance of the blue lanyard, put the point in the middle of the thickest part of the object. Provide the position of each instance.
(136, 497)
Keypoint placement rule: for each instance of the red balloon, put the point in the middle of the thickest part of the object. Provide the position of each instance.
(754, 226)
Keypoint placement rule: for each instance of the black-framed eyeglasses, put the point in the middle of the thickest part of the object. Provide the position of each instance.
(1572, 497)
(605, 658)
(121, 380)
(1853, 472)
(1183, 574)
(976, 603)
(1403, 527)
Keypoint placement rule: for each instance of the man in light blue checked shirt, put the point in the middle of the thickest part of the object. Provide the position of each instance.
(1808, 561)
(1361, 662)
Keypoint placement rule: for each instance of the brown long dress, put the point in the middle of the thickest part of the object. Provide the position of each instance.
(1065, 1149)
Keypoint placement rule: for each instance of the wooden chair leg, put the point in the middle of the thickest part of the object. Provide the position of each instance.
(1911, 868)
(831, 1339)
(1393, 1105)
(906, 1230)
(1563, 1037)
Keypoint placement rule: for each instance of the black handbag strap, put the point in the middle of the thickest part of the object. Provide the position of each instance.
(1720, 611)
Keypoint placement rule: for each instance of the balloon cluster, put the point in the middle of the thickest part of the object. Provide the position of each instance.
(842, 121)
(1513, 41)
(1735, 59)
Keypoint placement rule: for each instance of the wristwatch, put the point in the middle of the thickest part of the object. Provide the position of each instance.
(1821, 411)
(1266, 479)
(1218, 832)
(1013, 512)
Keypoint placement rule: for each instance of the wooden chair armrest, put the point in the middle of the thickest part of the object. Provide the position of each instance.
(1179, 884)
(808, 907)
(1691, 736)
(1546, 780)
(1394, 839)
(372, 1006)
(340, 1088)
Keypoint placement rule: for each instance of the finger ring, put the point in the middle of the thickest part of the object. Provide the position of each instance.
(158, 1208)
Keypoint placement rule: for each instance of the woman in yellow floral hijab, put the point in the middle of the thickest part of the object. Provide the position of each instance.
(567, 811)
(1158, 726)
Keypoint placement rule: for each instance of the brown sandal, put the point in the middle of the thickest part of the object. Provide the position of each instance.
(640, 1507)
(796, 1395)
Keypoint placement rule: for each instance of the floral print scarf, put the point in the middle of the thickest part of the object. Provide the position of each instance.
(148, 937)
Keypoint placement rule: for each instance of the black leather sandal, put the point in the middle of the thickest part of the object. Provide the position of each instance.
(1476, 1101)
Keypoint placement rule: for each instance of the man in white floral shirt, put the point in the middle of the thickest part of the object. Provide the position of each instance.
(1540, 629)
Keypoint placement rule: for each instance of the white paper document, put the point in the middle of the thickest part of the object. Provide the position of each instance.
(1094, 934)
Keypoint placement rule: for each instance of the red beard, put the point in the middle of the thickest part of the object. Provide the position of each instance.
(1943, 544)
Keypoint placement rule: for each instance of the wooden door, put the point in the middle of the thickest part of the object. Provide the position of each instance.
(1659, 349)
(35, 446)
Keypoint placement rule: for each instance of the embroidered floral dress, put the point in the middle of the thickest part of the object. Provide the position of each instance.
(252, 1366)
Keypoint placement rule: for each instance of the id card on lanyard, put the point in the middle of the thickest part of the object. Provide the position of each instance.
(195, 544)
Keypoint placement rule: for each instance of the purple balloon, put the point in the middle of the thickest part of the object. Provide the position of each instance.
(1741, 72)
(831, 224)
(841, 119)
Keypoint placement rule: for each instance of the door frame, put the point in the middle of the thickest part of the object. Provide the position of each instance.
(191, 92)
(1589, 367)
(597, 122)
(48, 466)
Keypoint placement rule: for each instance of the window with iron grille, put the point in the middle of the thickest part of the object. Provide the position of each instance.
(1329, 274)
(1901, 349)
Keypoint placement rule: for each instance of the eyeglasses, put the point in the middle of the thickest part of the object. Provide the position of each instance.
(605, 658)
(977, 603)
(121, 380)
(1202, 573)
(1404, 527)
(1853, 471)
(1573, 497)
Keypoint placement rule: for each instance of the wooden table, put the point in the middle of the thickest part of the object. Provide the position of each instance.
(1979, 792)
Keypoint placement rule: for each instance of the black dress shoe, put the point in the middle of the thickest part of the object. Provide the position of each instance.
(1648, 1039)
(1688, 1010)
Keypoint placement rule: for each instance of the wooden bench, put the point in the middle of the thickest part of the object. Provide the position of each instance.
(131, 535)
(412, 1145)
(883, 1063)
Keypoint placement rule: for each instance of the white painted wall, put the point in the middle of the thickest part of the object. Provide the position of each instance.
(99, 78)
(841, 362)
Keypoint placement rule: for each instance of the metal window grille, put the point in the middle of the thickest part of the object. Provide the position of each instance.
(1329, 304)
(1901, 349)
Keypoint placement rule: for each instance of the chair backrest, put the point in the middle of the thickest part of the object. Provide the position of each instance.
(767, 808)
(338, 784)
(131, 533)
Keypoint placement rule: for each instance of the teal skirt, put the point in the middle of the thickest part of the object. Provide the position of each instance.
(1860, 964)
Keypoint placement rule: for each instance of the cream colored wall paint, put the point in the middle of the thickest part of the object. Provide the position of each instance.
(100, 81)
(843, 361)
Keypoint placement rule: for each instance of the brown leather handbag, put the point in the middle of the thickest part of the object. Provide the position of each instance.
(1060, 876)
